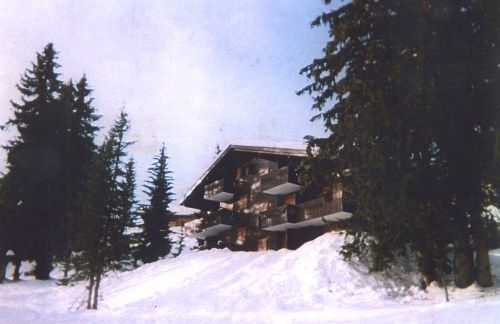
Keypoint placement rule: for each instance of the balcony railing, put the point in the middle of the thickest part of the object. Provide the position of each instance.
(210, 220)
(298, 213)
(281, 182)
(222, 216)
(219, 190)
(318, 208)
(280, 215)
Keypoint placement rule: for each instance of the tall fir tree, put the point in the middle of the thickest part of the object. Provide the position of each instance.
(128, 214)
(101, 241)
(155, 215)
(400, 136)
(79, 149)
(5, 237)
(35, 160)
(46, 161)
(464, 81)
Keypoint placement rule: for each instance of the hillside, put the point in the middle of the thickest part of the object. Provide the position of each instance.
(311, 284)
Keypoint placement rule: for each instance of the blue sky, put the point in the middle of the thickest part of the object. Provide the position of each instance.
(191, 74)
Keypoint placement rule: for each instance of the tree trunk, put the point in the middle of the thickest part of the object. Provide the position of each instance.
(3, 267)
(17, 267)
(463, 261)
(483, 271)
(426, 264)
(67, 265)
(96, 289)
(91, 290)
(43, 268)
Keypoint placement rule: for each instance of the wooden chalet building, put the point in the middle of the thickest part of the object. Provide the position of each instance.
(252, 200)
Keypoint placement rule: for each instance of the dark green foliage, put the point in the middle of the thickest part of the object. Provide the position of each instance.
(79, 149)
(101, 242)
(155, 241)
(406, 92)
(128, 215)
(35, 161)
(47, 161)
(62, 196)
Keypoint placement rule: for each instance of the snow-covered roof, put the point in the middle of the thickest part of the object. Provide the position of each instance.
(212, 231)
(263, 143)
(180, 210)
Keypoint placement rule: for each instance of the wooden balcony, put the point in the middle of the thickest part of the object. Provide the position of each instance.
(281, 182)
(318, 208)
(216, 223)
(222, 216)
(225, 217)
(311, 213)
(278, 216)
(219, 190)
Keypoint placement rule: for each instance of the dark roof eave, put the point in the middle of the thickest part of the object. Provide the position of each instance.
(249, 149)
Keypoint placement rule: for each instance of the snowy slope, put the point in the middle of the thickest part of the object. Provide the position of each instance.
(311, 284)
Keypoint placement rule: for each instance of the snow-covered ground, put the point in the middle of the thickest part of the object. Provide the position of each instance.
(311, 284)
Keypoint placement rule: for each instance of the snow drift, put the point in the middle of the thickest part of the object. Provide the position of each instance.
(311, 284)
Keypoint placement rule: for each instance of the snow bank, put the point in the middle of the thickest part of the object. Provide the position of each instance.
(311, 284)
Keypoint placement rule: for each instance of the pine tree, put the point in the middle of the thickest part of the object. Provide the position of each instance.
(155, 238)
(55, 124)
(465, 95)
(35, 164)
(101, 241)
(79, 149)
(127, 214)
(5, 237)
(412, 153)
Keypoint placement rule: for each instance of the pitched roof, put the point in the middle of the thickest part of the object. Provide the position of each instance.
(291, 150)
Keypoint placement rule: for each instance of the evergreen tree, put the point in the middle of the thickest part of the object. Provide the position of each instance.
(79, 149)
(464, 85)
(101, 241)
(155, 241)
(5, 238)
(128, 214)
(35, 164)
(46, 161)
(412, 153)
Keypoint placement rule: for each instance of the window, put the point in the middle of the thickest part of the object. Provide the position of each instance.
(242, 202)
(262, 207)
(242, 235)
(289, 200)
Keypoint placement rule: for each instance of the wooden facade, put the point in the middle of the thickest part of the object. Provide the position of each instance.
(180, 220)
(253, 201)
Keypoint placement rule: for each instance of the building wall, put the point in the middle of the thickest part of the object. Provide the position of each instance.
(250, 202)
(180, 220)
